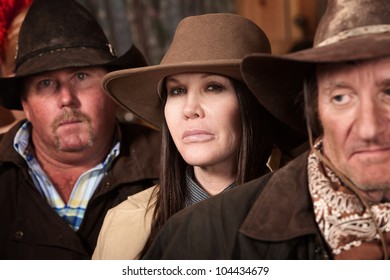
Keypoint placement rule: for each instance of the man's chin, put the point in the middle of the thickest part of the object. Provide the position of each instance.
(373, 184)
(74, 146)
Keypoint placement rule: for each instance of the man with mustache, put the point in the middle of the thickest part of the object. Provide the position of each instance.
(332, 202)
(71, 161)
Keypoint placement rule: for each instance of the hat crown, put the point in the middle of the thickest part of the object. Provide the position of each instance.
(344, 16)
(215, 37)
(45, 29)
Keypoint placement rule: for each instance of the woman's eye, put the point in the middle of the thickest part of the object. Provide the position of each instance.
(215, 87)
(176, 91)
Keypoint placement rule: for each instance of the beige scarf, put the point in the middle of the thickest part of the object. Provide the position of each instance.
(349, 231)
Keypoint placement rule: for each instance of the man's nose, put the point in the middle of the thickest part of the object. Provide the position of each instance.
(67, 96)
(370, 119)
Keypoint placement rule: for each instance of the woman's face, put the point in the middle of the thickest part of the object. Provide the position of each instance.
(203, 117)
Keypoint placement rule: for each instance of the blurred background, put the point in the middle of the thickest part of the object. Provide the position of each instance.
(150, 25)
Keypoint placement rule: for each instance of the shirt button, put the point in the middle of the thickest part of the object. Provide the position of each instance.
(108, 184)
(19, 234)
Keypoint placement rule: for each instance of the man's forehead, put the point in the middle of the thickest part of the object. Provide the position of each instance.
(331, 68)
(327, 71)
(70, 70)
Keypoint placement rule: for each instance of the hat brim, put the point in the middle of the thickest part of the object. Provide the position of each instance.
(137, 89)
(277, 81)
(61, 59)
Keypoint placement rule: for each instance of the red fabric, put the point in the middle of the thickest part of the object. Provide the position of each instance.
(8, 10)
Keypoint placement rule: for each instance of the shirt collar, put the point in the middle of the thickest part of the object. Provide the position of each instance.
(195, 192)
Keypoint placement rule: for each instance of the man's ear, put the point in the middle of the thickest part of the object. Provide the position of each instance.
(26, 108)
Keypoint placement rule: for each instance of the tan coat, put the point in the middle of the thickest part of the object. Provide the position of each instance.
(126, 228)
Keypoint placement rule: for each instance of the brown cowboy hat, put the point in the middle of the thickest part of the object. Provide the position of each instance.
(213, 43)
(349, 30)
(58, 34)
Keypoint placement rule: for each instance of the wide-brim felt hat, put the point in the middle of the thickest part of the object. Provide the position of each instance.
(211, 43)
(58, 34)
(349, 30)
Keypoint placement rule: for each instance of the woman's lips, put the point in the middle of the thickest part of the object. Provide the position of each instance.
(197, 135)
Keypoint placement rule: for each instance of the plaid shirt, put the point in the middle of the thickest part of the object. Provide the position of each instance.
(85, 186)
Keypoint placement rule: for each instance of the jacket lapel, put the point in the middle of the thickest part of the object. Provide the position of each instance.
(284, 208)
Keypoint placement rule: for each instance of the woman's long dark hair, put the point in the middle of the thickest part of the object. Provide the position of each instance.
(252, 156)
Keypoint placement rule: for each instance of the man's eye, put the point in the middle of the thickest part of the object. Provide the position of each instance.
(81, 76)
(387, 91)
(45, 83)
(341, 99)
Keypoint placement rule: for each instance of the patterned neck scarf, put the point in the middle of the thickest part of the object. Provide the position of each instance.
(349, 231)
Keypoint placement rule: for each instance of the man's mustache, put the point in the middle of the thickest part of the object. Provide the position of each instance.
(380, 142)
(69, 115)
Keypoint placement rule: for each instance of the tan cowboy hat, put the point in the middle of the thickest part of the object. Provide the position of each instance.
(213, 43)
(58, 34)
(349, 30)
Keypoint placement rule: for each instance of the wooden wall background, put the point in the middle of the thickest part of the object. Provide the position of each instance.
(151, 23)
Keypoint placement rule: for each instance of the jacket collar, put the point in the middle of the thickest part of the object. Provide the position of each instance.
(7, 152)
(284, 209)
(139, 156)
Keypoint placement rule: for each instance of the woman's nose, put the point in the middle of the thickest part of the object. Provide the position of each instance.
(193, 106)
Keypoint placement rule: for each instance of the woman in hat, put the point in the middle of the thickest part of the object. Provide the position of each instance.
(215, 133)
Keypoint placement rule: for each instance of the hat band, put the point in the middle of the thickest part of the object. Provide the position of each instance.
(20, 60)
(359, 31)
